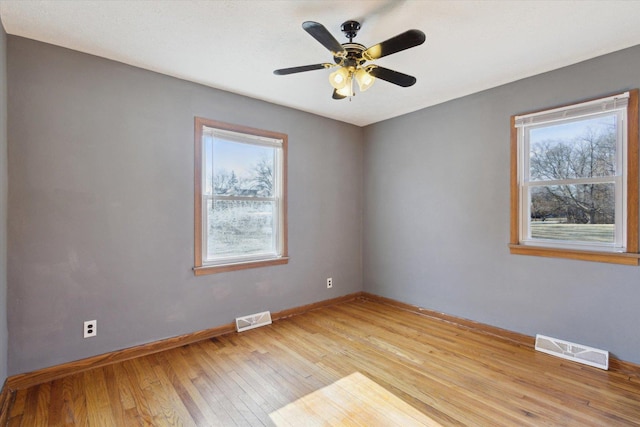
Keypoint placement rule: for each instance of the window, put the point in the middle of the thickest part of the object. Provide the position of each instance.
(574, 181)
(240, 197)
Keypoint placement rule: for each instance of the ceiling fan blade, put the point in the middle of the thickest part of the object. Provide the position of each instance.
(285, 71)
(403, 41)
(391, 76)
(320, 33)
(336, 95)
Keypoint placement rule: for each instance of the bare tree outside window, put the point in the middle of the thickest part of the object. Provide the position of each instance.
(569, 155)
(262, 180)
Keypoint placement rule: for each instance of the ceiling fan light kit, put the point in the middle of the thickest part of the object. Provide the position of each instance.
(351, 58)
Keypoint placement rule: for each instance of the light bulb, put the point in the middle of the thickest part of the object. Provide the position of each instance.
(339, 78)
(364, 79)
(346, 89)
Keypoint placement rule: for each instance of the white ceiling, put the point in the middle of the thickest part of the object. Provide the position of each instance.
(235, 45)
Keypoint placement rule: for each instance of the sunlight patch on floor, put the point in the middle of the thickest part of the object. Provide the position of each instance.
(354, 400)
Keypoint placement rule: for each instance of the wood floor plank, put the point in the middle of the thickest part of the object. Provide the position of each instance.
(216, 400)
(67, 407)
(207, 387)
(171, 406)
(139, 413)
(30, 415)
(179, 373)
(99, 411)
(125, 390)
(361, 363)
(56, 403)
(17, 408)
(113, 391)
(221, 386)
(77, 410)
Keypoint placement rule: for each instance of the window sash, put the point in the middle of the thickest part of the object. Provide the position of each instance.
(526, 237)
(225, 259)
(277, 192)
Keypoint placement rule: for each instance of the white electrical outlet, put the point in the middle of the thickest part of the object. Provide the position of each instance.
(329, 283)
(90, 328)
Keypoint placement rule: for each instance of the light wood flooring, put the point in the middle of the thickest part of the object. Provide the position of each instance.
(361, 363)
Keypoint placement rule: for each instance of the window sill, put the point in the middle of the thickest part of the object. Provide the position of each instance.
(212, 269)
(624, 258)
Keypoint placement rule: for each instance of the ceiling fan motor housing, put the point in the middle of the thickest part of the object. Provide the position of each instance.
(353, 56)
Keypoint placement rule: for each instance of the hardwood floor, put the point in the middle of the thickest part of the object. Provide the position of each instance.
(361, 363)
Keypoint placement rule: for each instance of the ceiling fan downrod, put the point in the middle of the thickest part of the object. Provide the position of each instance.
(350, 29)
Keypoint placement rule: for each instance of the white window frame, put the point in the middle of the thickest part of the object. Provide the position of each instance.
(613, 105)
(625, 248)
(206, 128)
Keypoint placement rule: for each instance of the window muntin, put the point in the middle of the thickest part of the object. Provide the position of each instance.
(240, 197)
(606, 230)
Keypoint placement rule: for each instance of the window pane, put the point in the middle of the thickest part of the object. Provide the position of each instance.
(240, 228)
(577, 149)
(582, 213)
(242, 169)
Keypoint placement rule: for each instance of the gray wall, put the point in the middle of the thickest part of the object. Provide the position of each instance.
(101, 211)
(3, 205)
(101, 207)
(436, 217)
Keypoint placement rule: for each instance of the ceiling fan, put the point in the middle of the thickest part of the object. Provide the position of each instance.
(352, 58)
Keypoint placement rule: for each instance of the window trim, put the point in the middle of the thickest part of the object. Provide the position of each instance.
(200, 268)
(630, 256)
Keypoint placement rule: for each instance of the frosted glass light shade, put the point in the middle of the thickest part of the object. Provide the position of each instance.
(339, 79)
(364, 79)
(346, 90)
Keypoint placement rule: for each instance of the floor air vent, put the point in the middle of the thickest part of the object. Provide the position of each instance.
(571, 351)
(251, 321)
